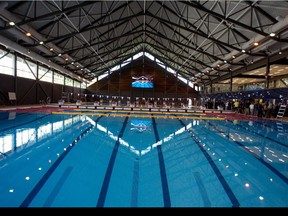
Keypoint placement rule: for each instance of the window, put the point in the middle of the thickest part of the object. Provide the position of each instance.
(58, 78)
(76, 84)
(26, 69)
(83, 85)
(150, 56)
(117, 67)
(45, 74)
(103, 75)
(6, 63)
(170, 70)
(127, 61)
(68, 81)
(191, 84)
(182, 79)
(138, 55)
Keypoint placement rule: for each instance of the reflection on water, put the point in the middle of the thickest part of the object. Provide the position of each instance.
(141, 125)
(217, 162)
(18, 138)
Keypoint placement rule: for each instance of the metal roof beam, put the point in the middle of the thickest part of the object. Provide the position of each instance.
(255, 65)
(212, 13)
(220, 43)
(250, 76)
(59, 12)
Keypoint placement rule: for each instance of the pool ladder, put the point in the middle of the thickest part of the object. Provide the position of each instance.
(280, 128)
(281, 111)
(282, 108)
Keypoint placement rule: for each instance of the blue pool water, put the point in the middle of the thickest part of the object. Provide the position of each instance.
(51, 160)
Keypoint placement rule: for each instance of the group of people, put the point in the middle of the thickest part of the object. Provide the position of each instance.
(251, 107)
(254, 108)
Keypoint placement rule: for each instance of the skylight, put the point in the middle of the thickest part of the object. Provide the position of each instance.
(148, 55)
(138, 55)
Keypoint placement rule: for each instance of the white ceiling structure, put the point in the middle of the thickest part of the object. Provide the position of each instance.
(204, 41)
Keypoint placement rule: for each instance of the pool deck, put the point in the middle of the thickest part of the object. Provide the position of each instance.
(66, 107)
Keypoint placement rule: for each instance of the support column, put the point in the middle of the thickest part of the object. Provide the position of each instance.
(52, 91)
(15, 77)
(97, 86)
(109, 82)
(119, 84)
(37, 83)
(165, 88)
(267, 75)
(176, 85)
(187, 89)
(231, 81)
(211, 87)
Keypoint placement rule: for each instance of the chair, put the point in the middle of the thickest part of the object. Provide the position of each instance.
(12, 97)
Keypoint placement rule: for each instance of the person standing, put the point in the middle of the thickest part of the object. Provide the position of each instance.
(251, 108)
(269, 110)
(236, 106)
(246, 107)
(260, 110)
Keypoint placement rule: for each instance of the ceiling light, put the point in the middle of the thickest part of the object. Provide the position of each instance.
(28, 34)
(59, 54)
(272, 34)
(256, 43)
(11, 23)
(51, 49)
(243, 51)
(41, 42)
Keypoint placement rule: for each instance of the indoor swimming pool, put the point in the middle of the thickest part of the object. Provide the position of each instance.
(49, 160)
